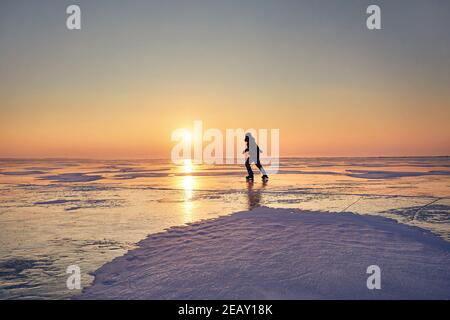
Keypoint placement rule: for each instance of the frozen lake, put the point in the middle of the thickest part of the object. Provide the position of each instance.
(56, 213)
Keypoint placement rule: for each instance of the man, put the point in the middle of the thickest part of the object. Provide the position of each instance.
(253, 156)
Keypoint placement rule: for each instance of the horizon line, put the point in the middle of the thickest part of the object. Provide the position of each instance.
(284, 157)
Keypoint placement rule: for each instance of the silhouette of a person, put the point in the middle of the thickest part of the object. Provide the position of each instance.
(253, 156)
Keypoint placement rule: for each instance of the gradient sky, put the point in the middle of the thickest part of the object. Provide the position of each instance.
(139, 69)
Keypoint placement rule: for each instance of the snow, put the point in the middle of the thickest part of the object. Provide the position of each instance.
(280, 254)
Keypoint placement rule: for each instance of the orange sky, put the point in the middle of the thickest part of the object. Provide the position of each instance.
(118, 90)
(127, 128)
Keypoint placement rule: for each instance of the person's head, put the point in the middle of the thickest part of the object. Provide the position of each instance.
(248, 136)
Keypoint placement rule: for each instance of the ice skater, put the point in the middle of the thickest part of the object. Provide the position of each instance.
(253, 156)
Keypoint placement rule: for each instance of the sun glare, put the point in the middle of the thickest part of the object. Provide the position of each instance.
(187, 137)
(187, 166)
(188, 205)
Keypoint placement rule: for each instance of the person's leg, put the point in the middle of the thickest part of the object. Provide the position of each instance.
(260, 167)
(249, 168)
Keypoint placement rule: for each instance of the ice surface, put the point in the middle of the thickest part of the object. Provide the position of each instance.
(280, 254)
(56, 213)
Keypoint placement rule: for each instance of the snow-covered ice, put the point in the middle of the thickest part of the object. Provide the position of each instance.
(280, 254)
